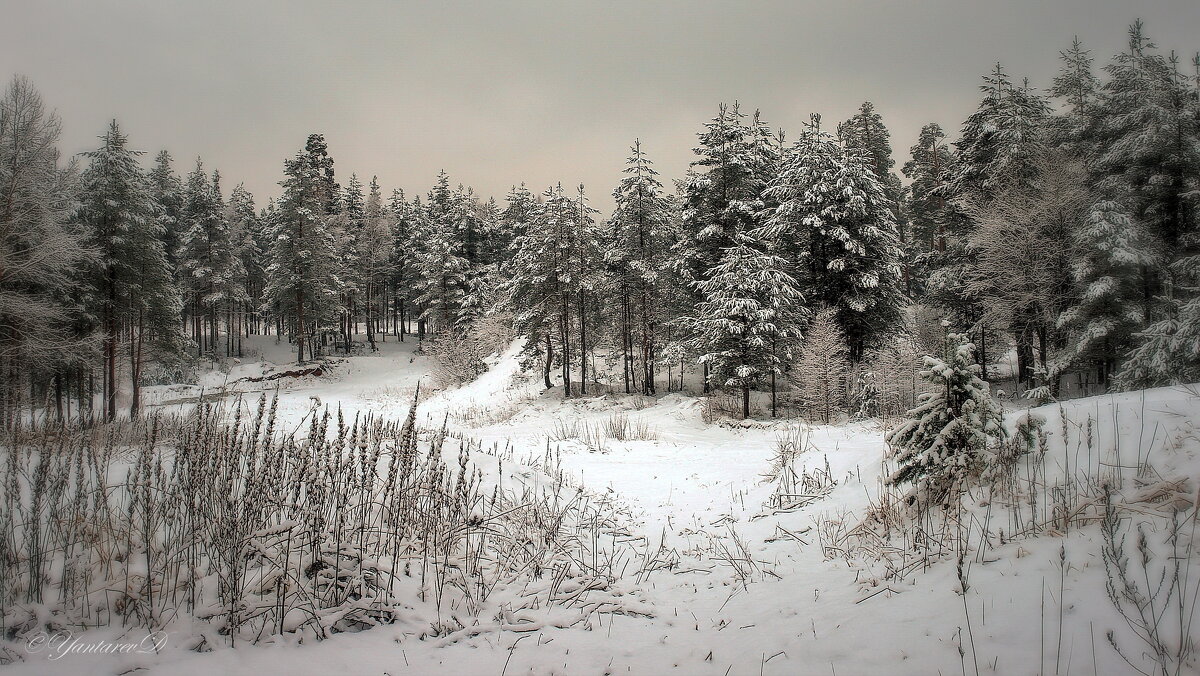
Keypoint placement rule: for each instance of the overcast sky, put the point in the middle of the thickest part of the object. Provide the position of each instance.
(502, 92)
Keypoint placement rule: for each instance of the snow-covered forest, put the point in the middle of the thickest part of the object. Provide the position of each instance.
(819, 405)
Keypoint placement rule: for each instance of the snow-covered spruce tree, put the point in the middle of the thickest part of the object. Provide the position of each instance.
(268, 319)
(209, 258)
(588, 278)
(835, 216)
(929, 216)
(483, 294)
(519, 206)
(943, 440)
(468, 216)
(1100, 325)
(674, 296)
(167, 190)
(1169, 349)
(1148, 145)
(302, 285)
(721, 195)
(354, 201)
(536, 289)
(442, 267)
(137, 297)
(1148, 160)
(1072, 129)
(40, 252)
(404, 219)
(636, 257)
(248, 239)
(193, 254)
(229, 283)
(820, 372)
(376, 247)
(865, 131)
(867, 394)
(345, 227)
(750, 310)
(468, 223)
(1000, 141)
(494, 237)
(322, 164)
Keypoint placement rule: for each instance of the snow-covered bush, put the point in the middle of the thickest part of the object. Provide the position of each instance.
(866, 393)
(941, 442)
(461, 355)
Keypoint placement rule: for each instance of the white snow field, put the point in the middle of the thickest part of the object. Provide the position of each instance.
(726, 576)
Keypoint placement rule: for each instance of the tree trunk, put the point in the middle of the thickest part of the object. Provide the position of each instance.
(110, 348)
(773, 407)
(135, 367)
(983, 353)
(564, 322)
(400, 314)
(197, 335)
(299, 326)
(647, 346)
(370, 320)
(110, 383)
(1024, 358)
(625, 340)
(582, 343)
(58, 394)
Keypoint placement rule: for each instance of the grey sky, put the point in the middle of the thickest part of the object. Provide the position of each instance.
(497, 92)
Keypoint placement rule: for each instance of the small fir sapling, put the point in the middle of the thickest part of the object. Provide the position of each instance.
(940, 444)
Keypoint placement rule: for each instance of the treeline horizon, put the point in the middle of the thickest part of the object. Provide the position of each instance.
(1062, 223)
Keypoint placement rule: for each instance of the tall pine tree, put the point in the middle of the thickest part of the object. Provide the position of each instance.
(302, 284)
(836, 218)
(136, 296)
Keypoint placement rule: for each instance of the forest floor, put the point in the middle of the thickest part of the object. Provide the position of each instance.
(737, 585)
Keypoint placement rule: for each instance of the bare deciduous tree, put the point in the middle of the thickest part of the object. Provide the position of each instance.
(39, 250)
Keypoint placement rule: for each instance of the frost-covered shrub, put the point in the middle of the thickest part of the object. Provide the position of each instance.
(896, 371)
(821, 372)
(942, 440)
(461, 355)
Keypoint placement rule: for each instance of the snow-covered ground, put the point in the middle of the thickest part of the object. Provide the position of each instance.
(739, 587)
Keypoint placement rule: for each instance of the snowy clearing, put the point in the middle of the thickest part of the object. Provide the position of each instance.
(729, 576)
